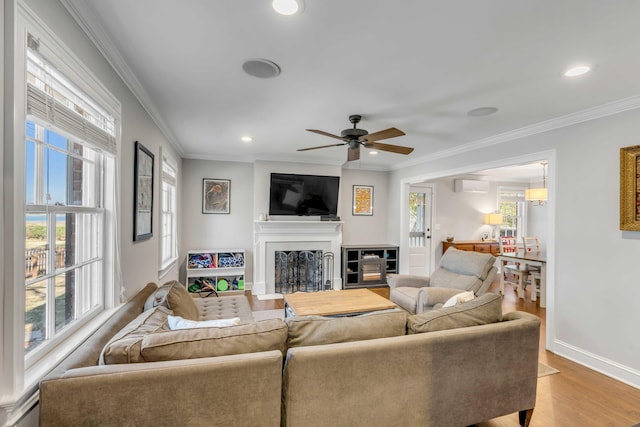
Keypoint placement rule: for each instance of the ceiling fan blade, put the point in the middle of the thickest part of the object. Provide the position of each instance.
(330, 135)
(353, 154)
(321, 146)
(399, 149)
(383, 134)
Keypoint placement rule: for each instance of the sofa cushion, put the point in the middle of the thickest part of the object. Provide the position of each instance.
(482, 310)
(125, 346)
(209, 342)
(318, 330)
(176, 298)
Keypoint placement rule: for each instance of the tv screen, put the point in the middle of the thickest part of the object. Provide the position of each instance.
(304, 195)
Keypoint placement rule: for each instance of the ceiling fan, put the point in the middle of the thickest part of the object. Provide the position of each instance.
(354, 138)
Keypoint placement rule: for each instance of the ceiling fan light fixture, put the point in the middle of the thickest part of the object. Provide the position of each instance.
(287, 7)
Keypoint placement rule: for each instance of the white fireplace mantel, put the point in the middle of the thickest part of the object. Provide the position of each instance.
(292, 235)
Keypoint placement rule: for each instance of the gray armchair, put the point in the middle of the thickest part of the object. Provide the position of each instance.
(457, 272)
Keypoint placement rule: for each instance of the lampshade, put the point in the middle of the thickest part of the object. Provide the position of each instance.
(536, 194)
(493, 219)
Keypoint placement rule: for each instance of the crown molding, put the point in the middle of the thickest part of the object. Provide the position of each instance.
(84, 14)
(593, 113)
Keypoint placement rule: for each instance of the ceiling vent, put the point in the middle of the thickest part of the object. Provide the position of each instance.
(471, 186)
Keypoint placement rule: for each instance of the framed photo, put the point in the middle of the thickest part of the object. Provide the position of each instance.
(362, 200)
(215, 196)
(142, 194)
(630, 188)
(485, 236)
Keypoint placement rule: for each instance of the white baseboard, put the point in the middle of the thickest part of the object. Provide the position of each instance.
(600, 364)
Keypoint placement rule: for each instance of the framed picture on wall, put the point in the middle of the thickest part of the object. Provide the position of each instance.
(362, 200)
(215, 196)
(142, 193)
(630, 188)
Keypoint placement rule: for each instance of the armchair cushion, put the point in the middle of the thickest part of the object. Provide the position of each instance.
(407, 280)
(485, 309)
(466, 262)
(442, 278)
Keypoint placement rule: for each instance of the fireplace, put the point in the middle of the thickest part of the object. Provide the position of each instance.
(272, 237)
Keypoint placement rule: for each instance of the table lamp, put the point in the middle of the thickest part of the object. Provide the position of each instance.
(494, 219)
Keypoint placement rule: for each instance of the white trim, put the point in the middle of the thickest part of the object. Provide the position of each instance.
(84, 14)
(597, 363)
(597, 112)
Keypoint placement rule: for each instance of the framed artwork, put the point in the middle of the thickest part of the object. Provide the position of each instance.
(485, 236)
(142, 193)
(362, 200)
(215, 196)
(630, 188)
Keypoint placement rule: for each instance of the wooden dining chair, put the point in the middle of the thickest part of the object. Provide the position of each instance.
(510, 245)
(532, 245)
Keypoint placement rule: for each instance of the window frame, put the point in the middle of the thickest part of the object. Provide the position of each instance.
(168, 262)
(521, 216)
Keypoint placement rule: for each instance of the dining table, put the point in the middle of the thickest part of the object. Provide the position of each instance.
(537, 259)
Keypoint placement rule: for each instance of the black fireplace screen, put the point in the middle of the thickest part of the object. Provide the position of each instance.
(298, 271)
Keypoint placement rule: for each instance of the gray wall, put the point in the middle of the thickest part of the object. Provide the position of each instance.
(250, 197)
(595, 304)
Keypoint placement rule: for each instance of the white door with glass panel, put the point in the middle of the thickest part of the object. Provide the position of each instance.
(420, 230)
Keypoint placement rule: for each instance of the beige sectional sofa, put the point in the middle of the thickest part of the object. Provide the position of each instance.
(450, 367)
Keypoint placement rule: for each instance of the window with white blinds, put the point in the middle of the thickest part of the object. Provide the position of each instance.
(169, 233)
(70, 224)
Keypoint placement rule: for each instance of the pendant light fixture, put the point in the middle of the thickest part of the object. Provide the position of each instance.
(538, 196)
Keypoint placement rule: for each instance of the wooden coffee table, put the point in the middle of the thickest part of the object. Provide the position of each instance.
(334, 303)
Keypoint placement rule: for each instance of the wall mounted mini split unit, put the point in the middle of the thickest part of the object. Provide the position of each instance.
(471, 186)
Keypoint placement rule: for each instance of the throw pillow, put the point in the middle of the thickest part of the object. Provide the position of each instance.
(209, 342)
(125, 346)
(176, 298)
(177, 322)
(482, 310)
(318, 330)
(459, 299)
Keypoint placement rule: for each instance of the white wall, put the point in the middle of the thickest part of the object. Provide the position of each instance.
(250, 197)
(214, 231)
(360, 229)
(594, 304)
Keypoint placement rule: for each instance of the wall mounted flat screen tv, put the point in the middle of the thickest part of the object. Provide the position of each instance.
(303, 195)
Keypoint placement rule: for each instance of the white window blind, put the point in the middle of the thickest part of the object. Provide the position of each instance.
(54, 100)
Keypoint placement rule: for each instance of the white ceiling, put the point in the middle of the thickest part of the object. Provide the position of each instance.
(414, 64)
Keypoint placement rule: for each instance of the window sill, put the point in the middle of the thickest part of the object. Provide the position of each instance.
(42, 367)
(165, 269)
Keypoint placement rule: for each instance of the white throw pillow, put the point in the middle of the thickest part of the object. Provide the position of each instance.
(457, 299)
(177, 322)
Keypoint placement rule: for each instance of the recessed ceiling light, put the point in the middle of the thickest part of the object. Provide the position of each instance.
(246, 139)
(482, 111)
(577, 71)
(373, 152)
(287, 7)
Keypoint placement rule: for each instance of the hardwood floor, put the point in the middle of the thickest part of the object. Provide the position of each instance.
(577, 396)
